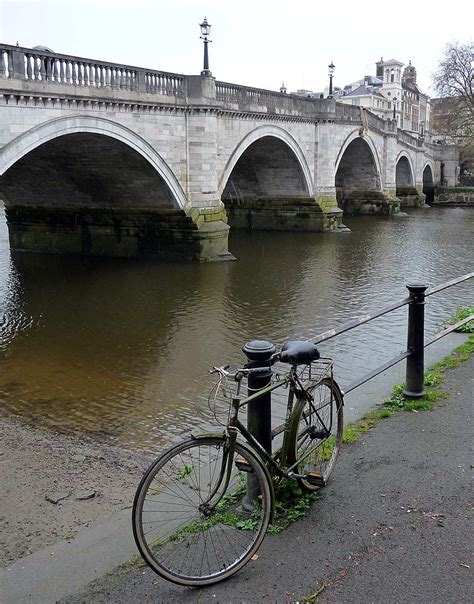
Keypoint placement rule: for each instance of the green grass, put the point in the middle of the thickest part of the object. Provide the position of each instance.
(462, 312)
(398, 402)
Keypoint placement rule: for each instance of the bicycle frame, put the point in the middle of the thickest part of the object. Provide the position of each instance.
(235, 426)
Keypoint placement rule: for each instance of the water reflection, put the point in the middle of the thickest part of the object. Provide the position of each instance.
(121, 349)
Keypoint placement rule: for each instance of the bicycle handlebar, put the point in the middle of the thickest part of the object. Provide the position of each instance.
(240, 373)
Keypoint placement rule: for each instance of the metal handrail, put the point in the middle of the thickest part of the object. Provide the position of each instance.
(355, 322)
(414, 352)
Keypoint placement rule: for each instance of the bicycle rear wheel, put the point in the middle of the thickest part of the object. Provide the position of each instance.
(186, 527)
(316, 433)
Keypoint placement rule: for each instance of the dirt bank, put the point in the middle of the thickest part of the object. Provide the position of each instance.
(53, 485)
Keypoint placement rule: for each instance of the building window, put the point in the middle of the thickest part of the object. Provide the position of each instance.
(389, 105)
(392, 76)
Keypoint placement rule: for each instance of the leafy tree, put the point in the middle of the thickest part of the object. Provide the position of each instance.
(454, 114)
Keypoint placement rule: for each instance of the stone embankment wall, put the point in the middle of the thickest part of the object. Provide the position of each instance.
(454, 196)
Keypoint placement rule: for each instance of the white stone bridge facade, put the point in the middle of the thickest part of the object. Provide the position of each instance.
(105, 159)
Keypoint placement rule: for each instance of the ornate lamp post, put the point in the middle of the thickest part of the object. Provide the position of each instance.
(331, 68)
(205, 31)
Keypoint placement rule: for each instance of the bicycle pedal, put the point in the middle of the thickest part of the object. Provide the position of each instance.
(315, 479)
(242, 464)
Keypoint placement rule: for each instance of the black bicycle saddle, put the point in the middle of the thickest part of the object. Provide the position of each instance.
(299, 352)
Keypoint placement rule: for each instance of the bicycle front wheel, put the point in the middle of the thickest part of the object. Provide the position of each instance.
(316, 433)
(191, 525)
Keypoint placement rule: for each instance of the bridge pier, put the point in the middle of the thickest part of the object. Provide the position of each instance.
(162, 234)
(411, 197)
(367, 202)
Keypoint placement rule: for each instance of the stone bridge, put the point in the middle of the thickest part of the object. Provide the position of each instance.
(105, 159)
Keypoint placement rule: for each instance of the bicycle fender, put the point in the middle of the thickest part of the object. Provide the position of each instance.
(336, 385)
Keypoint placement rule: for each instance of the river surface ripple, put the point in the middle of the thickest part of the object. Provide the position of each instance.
(120, 350)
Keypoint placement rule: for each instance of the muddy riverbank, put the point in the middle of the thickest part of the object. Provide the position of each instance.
(54, 484)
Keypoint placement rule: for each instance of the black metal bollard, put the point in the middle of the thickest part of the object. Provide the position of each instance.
(259, 412)
(415, 370)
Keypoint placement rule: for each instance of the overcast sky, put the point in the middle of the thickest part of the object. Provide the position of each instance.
(254, 42)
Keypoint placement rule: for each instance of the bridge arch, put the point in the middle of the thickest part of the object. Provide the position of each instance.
(356, 147)
(404, 170)
(79, 124)
(286, 144)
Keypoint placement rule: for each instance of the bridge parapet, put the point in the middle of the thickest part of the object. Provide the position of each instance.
(89, 77)
(409, 139)
(42, 66)
(245, 98)
(359, 115)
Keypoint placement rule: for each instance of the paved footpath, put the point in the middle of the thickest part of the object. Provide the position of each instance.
(393, 526)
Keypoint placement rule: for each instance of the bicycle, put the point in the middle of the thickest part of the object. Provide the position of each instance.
(203, 507)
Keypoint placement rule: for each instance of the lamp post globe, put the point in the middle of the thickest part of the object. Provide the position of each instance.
(331, 68)
(205, 31)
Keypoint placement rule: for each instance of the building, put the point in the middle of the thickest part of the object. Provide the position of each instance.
(391, 93)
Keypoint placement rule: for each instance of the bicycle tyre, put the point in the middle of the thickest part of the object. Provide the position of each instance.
(320, 453)
(172, 533)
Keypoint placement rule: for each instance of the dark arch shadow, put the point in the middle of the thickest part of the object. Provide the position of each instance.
(404, 180)
(358, 186)
(428, 184)
(266, 185)
(92, 194)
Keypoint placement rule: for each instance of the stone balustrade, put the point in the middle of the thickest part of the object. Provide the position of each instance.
(348, 113)
(404, 137)
(42, 66)
(234, 96)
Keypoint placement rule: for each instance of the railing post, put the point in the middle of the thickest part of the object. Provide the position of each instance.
(259, 412)
(415, 371)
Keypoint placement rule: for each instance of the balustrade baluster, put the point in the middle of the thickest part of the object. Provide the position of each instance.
(97, 75)
(108, 73)
(42, 68)
(29, 67)
(62, 64)
(49, 68)
(103, 71)
(69, 72)
(36, 65)
(3, 67)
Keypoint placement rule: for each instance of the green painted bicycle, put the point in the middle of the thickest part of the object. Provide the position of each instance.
(203, 507)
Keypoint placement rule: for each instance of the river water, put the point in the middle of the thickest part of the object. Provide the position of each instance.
(120, 350)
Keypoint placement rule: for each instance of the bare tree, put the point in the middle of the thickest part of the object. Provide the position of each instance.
(454, 114)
